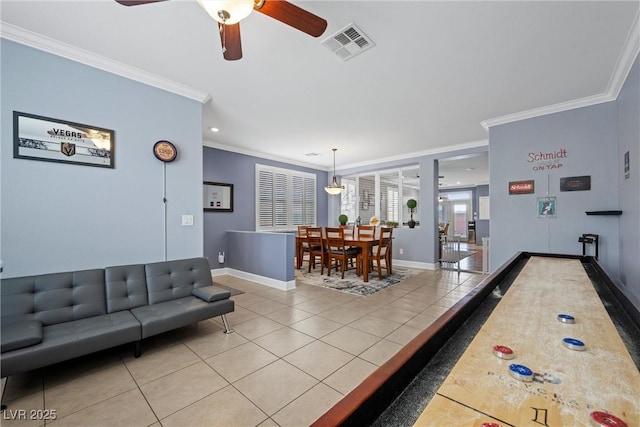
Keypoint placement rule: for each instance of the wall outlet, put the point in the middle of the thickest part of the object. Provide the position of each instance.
(187, 219)
(401, 251)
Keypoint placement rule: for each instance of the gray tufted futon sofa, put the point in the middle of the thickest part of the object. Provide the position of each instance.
(50, 318)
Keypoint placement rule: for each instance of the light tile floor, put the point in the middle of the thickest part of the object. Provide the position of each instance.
(293, 355)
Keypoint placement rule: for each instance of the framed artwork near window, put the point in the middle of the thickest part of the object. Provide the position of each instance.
(218, 196)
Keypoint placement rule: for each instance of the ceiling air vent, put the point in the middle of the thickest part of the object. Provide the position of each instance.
(348, 42)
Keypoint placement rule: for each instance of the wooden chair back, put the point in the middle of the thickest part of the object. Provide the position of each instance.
(302, 230)
(366, 231)
(315, 244)
(383, 250)
(334, 238)
(349, 231)
(336, 250)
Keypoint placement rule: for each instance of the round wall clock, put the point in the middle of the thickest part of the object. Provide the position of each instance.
(165, 151)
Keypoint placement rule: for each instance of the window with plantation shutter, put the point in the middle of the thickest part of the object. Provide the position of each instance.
(382, 193)
(284, 199)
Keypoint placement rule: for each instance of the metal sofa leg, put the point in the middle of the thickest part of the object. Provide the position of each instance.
(138, 349)
(227, 328)
(4, 387)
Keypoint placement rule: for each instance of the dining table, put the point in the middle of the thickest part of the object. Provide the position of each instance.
(366, 244)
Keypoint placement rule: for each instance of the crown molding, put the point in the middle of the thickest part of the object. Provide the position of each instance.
(55, 47)
(448, 149)
(628, 55)
(413, 155)
(247, 152)
(549, 109)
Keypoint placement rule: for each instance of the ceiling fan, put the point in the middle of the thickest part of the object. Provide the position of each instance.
(229, 13)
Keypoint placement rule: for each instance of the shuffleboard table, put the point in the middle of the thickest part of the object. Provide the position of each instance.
(451, 374)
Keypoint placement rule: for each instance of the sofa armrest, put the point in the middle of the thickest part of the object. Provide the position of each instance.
(20, 334)
(211, 293)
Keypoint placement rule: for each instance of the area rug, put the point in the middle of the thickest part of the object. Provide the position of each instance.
(455, 256)
(352, 283)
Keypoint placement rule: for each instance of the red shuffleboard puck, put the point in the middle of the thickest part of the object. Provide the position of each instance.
(489, 425)
(503, 352)
(603, 419)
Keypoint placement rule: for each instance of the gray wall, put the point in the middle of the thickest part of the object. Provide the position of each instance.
(239, 170)
(268, 255)
(589, 137)
(595, 139)
(629, 140)
(58, 217)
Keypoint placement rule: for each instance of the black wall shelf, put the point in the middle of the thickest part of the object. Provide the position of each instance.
(604, 212)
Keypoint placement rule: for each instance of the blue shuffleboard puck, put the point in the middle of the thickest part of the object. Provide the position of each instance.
(565, 318)
(573, 344)
(521, 372)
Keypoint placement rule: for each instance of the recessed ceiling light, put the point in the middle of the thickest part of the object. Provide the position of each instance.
(458, 182)
(214, 129)
(470, 169)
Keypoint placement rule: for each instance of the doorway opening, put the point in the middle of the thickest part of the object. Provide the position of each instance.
(455, 209)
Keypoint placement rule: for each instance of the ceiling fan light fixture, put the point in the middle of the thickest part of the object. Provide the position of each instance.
(227, 12)
(334, 188)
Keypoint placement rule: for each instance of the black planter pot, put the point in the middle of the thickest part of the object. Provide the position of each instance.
(411, 223)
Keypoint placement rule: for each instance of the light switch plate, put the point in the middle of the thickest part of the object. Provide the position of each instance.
(187, 219)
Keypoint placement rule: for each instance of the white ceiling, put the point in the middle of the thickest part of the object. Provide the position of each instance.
(437, 71)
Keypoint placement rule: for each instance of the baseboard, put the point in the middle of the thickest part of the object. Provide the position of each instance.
(267, 281)
(415, 264)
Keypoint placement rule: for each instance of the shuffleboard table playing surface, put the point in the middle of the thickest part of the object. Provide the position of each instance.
(567, 385)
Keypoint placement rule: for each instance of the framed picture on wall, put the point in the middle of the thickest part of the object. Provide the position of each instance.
(218, 197)
(61, 141)
(546, 207)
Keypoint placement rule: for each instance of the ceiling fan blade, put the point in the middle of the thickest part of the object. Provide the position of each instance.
(136, 2)
(292, 15)
(230, 40)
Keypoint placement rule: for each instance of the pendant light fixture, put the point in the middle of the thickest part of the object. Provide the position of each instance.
(334, 188)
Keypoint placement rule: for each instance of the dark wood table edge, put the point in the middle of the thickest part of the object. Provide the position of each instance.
(367, 401)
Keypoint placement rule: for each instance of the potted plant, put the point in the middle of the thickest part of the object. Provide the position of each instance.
(392, 224)
(342, 219)
(411, 204)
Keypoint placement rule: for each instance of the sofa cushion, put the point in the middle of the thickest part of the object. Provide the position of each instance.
(211, 293)
(64, 341)
(54, 298)
(169, 315)
(170, 280)
(126, 287)
(21, 334)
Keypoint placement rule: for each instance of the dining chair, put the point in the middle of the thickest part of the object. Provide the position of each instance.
(336, 250)
(445, 232)
(367, 232)
(304, 247)
(383, 250)
(349, 231)
(315, 243)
